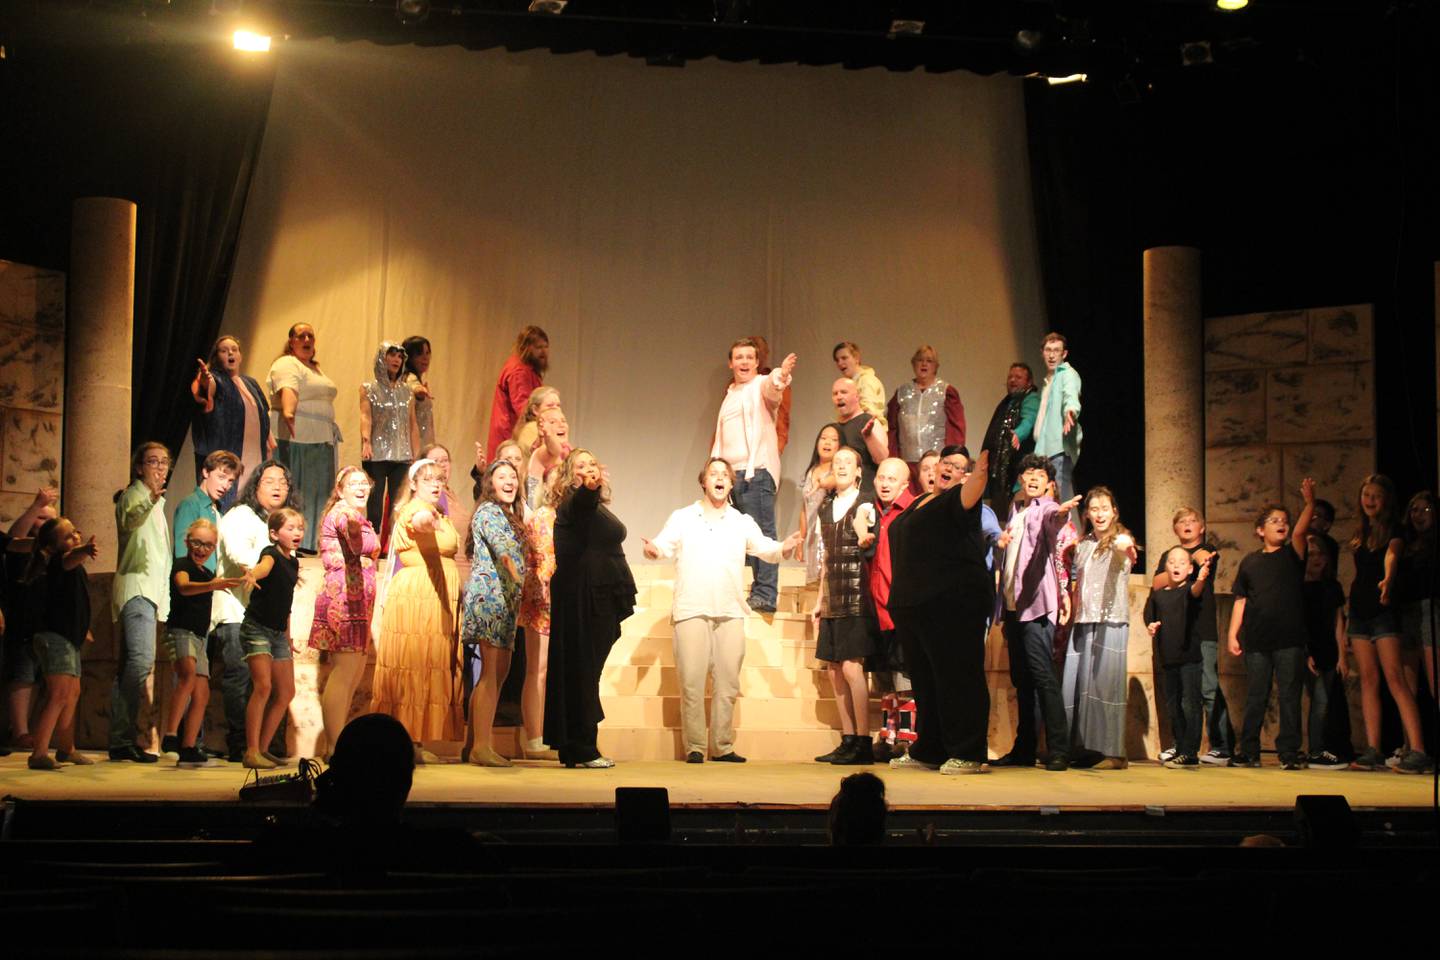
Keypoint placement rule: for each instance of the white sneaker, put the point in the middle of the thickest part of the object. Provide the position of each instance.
(908, 762)
(1394, 759)
(1167, 754)
(1216, 758)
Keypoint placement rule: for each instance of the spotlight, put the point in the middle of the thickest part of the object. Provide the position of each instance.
(1068, 78)
(1230, 6)
(548, 6)
(1195, 53)
(251, 42)
(906, 28)
(412, 12)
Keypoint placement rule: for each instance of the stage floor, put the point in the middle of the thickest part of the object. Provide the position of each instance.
(540, 784)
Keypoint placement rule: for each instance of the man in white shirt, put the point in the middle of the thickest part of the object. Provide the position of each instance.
(710, 540)
(745, 438)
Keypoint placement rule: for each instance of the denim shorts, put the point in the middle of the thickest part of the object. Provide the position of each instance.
(1415, 618)
(1383, 624)
(56, 654)
(258, 640)
(182, 644)
(20, 664)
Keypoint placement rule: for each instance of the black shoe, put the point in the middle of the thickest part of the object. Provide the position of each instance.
(1058, 762)
(839, 749)
(731, 757)
(695, 756)
(1244, 760)
(860, 756)
(235, 756)
(133, 754)
(1013, 760)
(170, 743)
(191, 758)
(1292, 761)
(1086, 759)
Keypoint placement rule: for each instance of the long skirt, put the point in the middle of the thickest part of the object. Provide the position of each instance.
(312, 470)
(1093, 685)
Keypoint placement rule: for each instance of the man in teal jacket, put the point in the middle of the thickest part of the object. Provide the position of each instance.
(1057, 426)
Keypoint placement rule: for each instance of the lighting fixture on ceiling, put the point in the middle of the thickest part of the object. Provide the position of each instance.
(250, 41)
(1230, 6)
(906, 28)
(548, 6)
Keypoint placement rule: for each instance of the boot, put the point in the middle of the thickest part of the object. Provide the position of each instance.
(862, 753)
(837, 752)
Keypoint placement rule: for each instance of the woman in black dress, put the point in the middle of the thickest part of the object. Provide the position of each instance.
(591, 593)
(940, 596)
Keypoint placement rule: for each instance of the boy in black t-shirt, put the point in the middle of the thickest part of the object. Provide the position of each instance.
(191, 586)
(265, 635)
(1189, 527)
(1171, 614)
(1268, 616)
(1326, 648)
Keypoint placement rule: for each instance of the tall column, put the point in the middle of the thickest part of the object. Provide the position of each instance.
(98, 337)
(1174, 392)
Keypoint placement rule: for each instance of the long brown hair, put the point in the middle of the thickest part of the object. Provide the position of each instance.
(514, 511)
(1102, 544)
(562, 488)
(525, 342)
(1376, 536)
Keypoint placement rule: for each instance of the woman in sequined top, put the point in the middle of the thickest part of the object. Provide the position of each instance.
(1094, 681)
(389, 432)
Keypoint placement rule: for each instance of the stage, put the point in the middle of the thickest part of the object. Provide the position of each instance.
(1142, 787)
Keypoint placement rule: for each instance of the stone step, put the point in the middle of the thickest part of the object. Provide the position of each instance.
(625, 680)
(771, 746)
(655, 622)
(751, 713)
(642, 651)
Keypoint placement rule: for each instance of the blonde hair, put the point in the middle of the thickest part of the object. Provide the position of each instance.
(563, 484)
(202, 523)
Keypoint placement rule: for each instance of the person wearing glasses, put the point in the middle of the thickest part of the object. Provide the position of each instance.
(140, 596)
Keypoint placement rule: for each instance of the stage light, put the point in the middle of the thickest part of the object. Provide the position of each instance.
(1230, 6)
(548, 6)
(1068, 78)
(411, 12)
(906, 28)
(251, 42)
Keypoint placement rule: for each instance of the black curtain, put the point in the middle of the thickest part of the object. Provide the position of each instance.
(175, 127)
(1303, 184)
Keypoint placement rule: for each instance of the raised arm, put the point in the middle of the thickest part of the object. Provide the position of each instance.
(135, 505)
(202, 388)
(44, 497)
(778, 379)
(892, 420)
(974, 489)
(1299, 535)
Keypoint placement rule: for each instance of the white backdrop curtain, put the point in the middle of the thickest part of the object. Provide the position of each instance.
(645, 217)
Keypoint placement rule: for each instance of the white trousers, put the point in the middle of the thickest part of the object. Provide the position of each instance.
(709, 645)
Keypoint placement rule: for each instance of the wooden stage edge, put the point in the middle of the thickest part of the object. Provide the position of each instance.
(1143, 787)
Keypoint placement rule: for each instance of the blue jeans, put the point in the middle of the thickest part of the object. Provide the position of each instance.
(1037, 688)
(755, 498)
(1285, 667)
(1217, 711)
(234, 684)
(1318, 686)
(137, 660)
(1064, 476)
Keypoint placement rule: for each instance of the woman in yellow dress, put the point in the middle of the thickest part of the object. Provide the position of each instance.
(417, 663)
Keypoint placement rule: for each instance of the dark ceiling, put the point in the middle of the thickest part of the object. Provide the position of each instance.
(1131, 44)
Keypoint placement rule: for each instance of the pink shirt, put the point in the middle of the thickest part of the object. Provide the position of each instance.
(759, 400)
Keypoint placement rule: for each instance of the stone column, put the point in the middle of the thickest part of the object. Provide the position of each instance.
(1174, 392)
(98, 337)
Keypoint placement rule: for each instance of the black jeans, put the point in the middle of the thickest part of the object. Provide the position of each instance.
(1037, 688)
(1286, 667)
(1183, 701)
(395, 475)
(944, 648)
